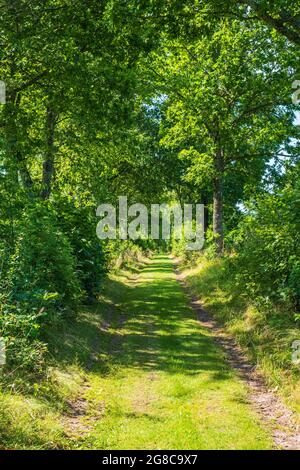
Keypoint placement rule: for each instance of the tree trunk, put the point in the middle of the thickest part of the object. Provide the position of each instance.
(48, 164)
(218, 202)
(284, 21)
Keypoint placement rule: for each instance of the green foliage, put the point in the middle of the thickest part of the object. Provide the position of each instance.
(263, 327)
(122, 254)
(20, 327)
(145, 99)
(78, 226)
(43, 262)
(41, 284)
(227, 110)
(268, 247)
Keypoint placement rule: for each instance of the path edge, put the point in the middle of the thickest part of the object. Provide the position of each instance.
(275, 415)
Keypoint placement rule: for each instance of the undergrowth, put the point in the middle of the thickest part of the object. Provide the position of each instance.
(265, 329)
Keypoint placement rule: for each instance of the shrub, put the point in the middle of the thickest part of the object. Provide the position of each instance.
(43, 264)
(41, 285)
(268, 249)
(122, 253)
(79, 226)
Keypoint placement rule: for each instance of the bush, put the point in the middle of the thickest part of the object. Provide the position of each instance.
(268, 248)
(21, 331)
(79, 226)
(43, 264)
(122, 253)
(41, 285)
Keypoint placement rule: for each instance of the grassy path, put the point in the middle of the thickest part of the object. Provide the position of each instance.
(167, 385)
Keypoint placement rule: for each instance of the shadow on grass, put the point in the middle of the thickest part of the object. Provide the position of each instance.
(147, 326)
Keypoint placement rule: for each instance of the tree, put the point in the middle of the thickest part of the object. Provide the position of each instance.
(228, 104)
(281, 15)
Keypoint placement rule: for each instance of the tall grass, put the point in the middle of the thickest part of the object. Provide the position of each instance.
(264, 329)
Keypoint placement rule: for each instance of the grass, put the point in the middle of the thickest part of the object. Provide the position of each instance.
(150, 376)
(266, 332)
